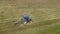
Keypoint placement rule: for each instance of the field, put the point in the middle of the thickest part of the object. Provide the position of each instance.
(45, 14)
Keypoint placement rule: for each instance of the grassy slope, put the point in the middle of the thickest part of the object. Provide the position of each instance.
(40, 10)
(42, 30)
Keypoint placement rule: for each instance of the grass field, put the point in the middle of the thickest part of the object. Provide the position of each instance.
(45, 14)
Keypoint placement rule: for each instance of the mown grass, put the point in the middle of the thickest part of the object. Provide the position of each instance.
(42, 30)
(43, 12)
(14, 29)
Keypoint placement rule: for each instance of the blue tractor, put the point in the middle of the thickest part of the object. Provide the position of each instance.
(26, 19)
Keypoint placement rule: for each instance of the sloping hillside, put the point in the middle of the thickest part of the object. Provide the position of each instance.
(43, 12)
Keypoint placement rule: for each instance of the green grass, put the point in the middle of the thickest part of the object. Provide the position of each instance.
(42, 30)
(43, 12)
